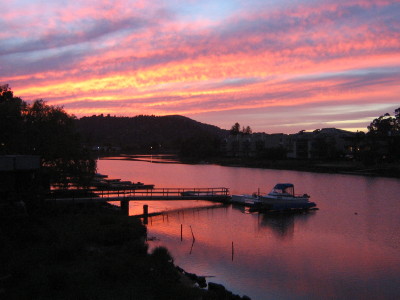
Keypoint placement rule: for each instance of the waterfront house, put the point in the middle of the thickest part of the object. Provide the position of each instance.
(326, 143)
(19, 175)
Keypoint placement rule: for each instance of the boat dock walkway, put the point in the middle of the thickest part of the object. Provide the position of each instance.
(219, 194)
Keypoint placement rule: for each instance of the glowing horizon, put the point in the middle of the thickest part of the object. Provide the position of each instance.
(277, 66)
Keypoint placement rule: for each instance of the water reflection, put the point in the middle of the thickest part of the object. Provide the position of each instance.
(152, 158)
(168, 207)
(273, 254)
(281, 224)
(349, 249)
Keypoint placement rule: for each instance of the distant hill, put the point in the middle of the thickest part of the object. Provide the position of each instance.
(162, 133)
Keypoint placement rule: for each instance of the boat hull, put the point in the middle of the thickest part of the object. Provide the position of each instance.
(270, 203)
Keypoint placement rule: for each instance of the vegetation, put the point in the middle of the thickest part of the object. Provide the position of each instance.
(194, 141)
(376, 153)
(235, 129)
(385, 125)
(76, 251)
(93, 254)
(151, 134)
(278, 153)
(200, 147)
(11, 121)
(87, 252)
(383, 139)
(44, 130)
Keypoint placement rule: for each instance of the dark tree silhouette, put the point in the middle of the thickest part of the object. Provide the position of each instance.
(235, 130)
(44, 130)
(384, 138)
(385, 125)
(247, 130)
(51, 133)
(11, 115)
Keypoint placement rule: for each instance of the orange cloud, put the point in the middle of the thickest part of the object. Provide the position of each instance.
(147, 57)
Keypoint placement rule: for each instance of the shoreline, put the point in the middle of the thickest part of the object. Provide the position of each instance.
(90, 251)
(387, 170)
(334, 167)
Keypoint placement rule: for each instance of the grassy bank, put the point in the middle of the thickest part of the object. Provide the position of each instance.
(86, 253)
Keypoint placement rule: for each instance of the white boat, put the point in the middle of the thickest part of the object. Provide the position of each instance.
(281, 197)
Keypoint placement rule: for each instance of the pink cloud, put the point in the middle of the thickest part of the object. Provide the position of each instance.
(93, 56)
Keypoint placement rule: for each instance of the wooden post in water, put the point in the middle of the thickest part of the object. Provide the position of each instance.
(125, 207)
(232, 251)
(192, 233)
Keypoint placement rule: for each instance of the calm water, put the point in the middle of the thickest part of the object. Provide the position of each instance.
(349, 249)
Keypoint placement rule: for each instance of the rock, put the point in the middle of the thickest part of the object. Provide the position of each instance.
(222, 293)
(215, 287)
(201, 280)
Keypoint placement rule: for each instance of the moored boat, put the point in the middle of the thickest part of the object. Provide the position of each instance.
(281, 197)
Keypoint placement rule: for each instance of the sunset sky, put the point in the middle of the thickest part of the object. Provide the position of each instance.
(274, 65)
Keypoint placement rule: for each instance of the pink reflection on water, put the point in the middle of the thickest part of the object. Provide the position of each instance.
(283, 257)
(349, 249)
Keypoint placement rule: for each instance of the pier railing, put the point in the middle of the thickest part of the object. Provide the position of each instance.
(124, 194)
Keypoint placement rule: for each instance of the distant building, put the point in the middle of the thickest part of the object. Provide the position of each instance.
(323, 143)
(110, 149)
(251, 145)
(320, 144)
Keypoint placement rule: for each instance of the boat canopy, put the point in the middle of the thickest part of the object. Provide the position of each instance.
(283, 188)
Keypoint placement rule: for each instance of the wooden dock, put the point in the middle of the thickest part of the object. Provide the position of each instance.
(219, 194)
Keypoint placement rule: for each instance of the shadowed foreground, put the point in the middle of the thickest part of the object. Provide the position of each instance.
(87, 253)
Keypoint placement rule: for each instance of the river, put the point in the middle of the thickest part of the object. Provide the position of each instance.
(348, 249)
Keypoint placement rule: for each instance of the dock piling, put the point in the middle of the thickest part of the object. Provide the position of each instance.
(232, 250)
(192, 233)
(125, 207)
(145, 214)
(145, 209)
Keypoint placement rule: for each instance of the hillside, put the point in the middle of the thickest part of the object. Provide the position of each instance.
(162, 133)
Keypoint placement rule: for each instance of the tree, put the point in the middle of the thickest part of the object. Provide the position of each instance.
(235, 130)
(50, 131)
(44, 130)
(384, 137)
(51, 134)
(11, 121)
(385, 125)
(200, 147)
(247, 130)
